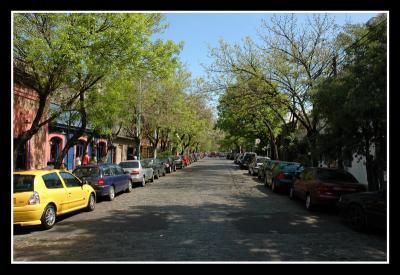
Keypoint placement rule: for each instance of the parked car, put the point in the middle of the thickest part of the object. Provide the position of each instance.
(255, 164)
(139, 171)
(178, 162)
(158, 167)
(324, 186)
(169, 164)
(364, 210)
(41, 195)
(247, 158)
(281, 174)
(264, 168)
(106, 179)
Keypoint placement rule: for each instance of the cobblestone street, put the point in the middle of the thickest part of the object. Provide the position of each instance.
(209, 211)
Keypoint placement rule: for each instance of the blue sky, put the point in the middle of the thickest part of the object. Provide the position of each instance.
(200, 30)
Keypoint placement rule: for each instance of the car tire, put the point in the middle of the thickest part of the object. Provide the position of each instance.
(143, 182)
(355, 217)
(111, 193)
(309, 204)
(129, 189)
(48, 218)
(91, 203)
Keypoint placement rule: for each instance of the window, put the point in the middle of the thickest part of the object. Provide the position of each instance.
(130, 164)
(21, 157)
(335, 175)
(79, 149)
(70, 180)
(23, 183)
(107, 171)
(55, 148)
(101, 150)
(52, 181)
(130, 154)
(115, 170)
(86, 171)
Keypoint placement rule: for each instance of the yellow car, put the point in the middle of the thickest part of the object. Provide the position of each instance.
(41, 195)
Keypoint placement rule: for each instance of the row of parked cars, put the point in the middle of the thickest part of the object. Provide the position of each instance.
(318, 186)
(39, 196)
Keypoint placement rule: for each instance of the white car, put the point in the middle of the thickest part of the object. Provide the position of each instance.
(139, 170)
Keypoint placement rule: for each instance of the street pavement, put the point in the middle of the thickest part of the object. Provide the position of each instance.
(209, 211)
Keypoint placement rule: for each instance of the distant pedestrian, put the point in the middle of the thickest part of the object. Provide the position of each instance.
(85, 159)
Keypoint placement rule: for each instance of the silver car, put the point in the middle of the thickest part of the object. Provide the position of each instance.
(255, 165)
(139, 170)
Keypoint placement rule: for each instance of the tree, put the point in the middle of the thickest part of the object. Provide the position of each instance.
(61, 56)
(291, 60)
(354, 103)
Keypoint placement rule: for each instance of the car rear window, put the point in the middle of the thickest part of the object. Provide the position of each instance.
(86, 172)
(326, 175)
(291, 168)
(23, 183)
(129, 164)
(260, 160)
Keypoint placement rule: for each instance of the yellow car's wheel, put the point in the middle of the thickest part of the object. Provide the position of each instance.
(91, 203)
(48, 217)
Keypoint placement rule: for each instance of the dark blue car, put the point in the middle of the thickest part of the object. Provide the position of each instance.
(281, 175)
(106, 179)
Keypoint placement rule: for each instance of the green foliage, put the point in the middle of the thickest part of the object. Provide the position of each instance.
(353, 105)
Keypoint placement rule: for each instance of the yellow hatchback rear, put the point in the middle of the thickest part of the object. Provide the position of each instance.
(39, 196)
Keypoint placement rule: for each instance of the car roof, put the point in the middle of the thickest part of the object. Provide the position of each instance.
(38, 172)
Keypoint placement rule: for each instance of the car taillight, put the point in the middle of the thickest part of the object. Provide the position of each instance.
(34, 199)
(280, 176)
(324, 189)
(135, 172)
(101, 182)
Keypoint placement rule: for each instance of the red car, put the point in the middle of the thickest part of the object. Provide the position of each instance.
(318, 186)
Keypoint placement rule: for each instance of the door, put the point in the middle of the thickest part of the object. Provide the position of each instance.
(56, 191)
(117, 179)
(76, 195)
(108, 177)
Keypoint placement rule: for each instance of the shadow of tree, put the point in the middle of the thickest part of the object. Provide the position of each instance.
(244, 228)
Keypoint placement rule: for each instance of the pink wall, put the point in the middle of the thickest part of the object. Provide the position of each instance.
(24, 110)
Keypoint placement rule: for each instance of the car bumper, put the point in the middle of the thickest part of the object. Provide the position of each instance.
(102, 191)
(137, 178)
(284, 184)
(325, 200)
(28, 215)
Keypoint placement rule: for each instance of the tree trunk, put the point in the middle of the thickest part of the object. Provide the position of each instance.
(74, 139)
